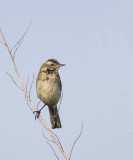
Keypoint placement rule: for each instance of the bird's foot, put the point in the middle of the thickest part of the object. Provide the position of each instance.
(37, 114)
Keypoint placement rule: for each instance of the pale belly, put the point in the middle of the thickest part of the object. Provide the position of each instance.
(49, 92)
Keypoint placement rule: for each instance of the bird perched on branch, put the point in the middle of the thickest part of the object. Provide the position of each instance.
(48, 88)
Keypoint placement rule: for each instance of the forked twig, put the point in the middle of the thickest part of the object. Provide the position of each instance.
(76, 141)
(17, 48)
(22, 38)
(14, 81)
(58, 139)
(51, 140)
(28, 99)
(53, 150)
(46, 137)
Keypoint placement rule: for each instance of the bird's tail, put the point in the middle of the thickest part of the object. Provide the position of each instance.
(54, 118)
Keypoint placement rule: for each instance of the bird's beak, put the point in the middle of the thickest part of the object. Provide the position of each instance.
(60, 65)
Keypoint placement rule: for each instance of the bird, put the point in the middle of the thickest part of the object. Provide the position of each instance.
(49, 88)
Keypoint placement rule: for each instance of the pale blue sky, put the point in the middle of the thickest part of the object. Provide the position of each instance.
(94, 40)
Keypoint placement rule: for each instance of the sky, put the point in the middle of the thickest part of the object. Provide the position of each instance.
(94, 40)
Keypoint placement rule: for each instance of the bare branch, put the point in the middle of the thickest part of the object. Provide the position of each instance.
(31, 86)
(28, 99)
(46, 137)
(27, 84)
(53, 150)
(28, 104)
(14, 81)
(76, 141)
(19, 88)
(22, 38)
(51, 140)
(17, 48)
(58, 139)
(26, 92)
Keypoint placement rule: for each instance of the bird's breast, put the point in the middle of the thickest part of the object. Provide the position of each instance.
(49, 91)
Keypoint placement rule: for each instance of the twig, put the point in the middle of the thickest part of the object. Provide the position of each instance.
(51, 140)
(58, 139)
(46, 137)
(27, 84)
(76, 141)
(21, 37)
(17, 48)
(53, 150)
(14, 81)
(28, 104)
(27, 97)
(26, 92)
(31, 86)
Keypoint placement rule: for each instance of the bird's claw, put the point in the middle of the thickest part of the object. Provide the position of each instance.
(37, 114)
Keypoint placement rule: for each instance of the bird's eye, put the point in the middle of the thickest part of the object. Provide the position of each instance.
(52, 64)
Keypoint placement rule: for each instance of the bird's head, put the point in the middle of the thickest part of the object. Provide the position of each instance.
(52, 65)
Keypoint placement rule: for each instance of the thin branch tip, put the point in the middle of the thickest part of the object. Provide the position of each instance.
(46, 137)
(13, 81)
(53, 150)
(76, 141)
